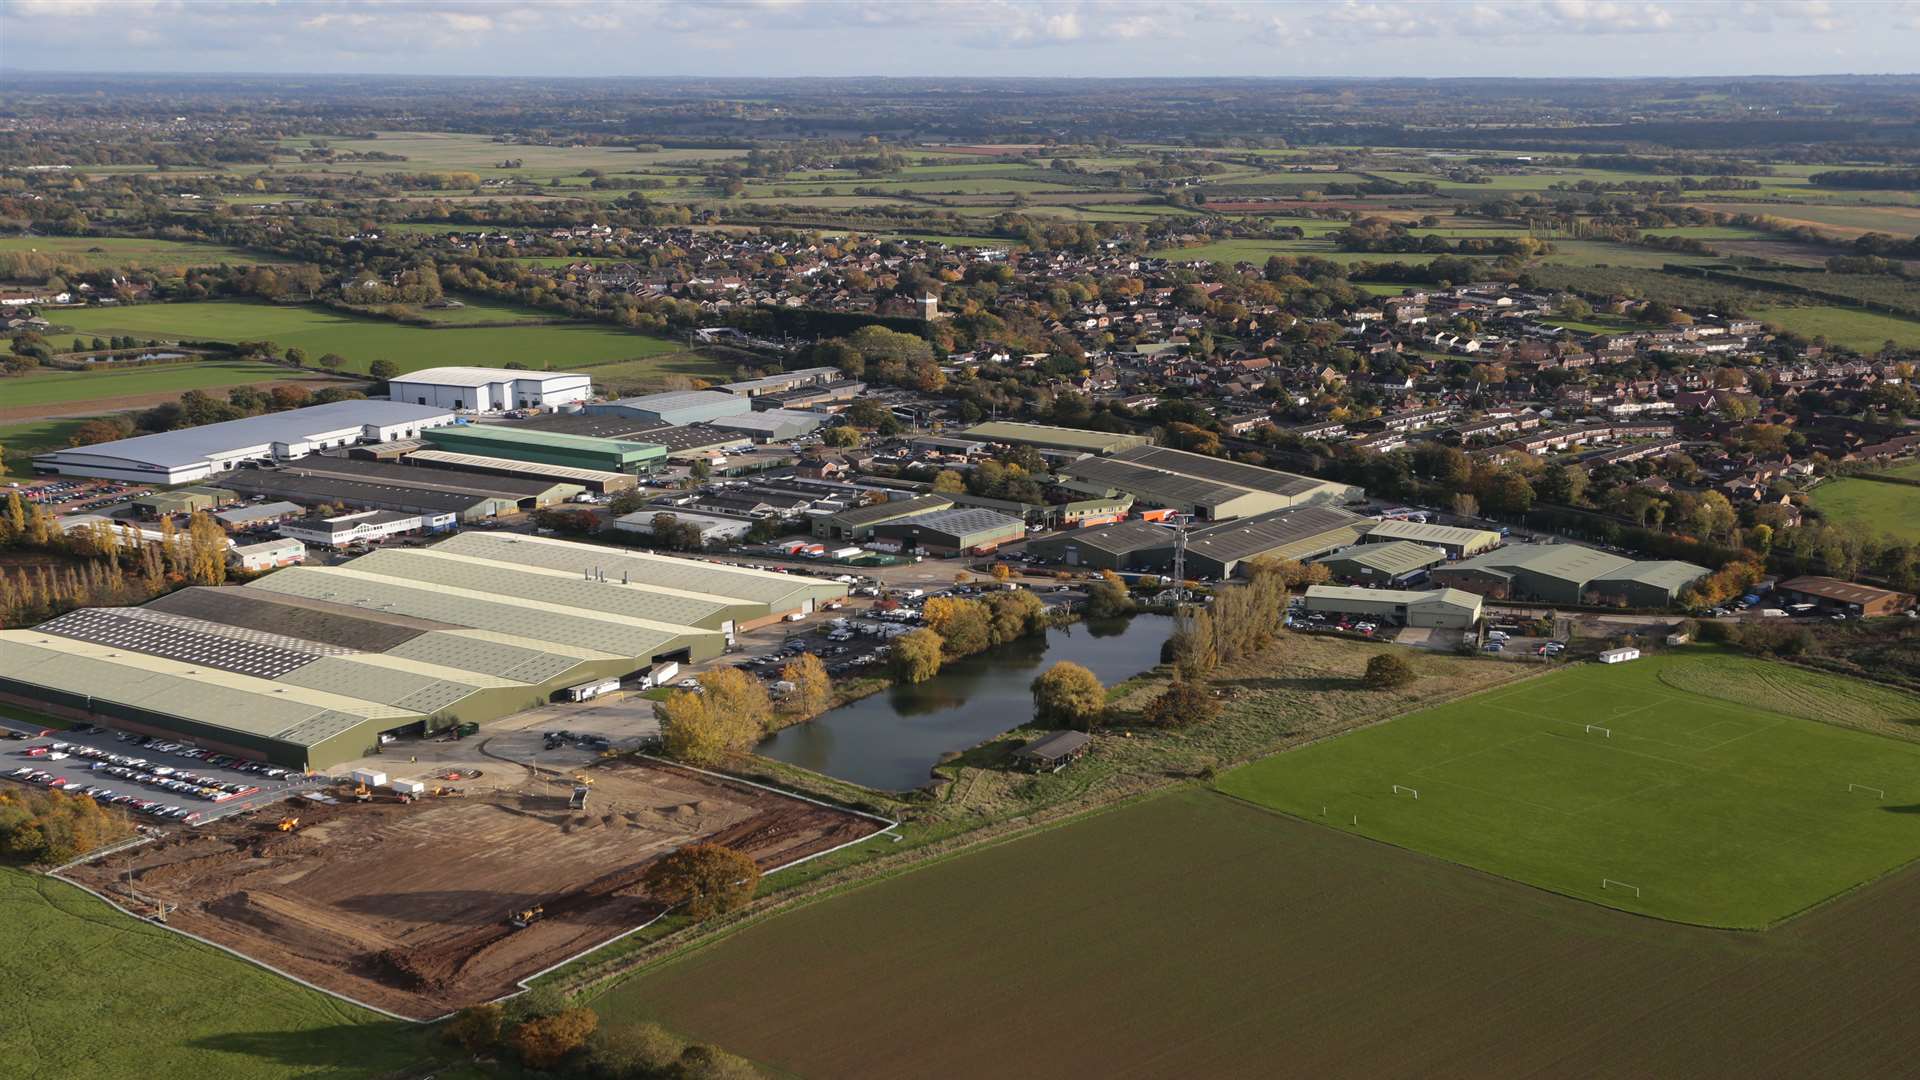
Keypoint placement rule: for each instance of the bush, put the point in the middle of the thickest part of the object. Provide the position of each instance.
(709, 879)
(1388, 671)
(702, 1062)
(546, 1042)
(1182, 704)
(477, 1028)
(634, 1050)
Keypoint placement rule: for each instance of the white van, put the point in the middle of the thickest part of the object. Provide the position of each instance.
(1496, 635)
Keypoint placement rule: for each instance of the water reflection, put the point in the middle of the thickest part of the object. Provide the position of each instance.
(890, 740)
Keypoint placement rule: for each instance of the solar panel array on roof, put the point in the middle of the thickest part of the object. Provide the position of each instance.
(308, 619)
(111, 626)
(239, 633)
(422, 694)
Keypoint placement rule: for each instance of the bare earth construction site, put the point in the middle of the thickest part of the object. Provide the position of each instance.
(407, 907)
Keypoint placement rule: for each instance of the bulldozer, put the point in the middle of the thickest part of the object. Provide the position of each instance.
(440, 792)
(288, 824)
(522, 919)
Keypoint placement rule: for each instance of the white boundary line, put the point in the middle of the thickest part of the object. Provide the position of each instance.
(524, 984)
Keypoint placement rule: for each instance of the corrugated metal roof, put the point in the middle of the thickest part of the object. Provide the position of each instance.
(432, 566)
(1568, 562)
(1285, 534)
(1410, 597)
(1222, 471)
(1434, 534)
(190, 445)
(1010, 431)
(1395, 557)
(781, 592)
(1153, 485)
(527, 468)
(889, 510)
(1671, 575)
(482, 376)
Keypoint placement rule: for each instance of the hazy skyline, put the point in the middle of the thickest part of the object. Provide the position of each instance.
(729, 38)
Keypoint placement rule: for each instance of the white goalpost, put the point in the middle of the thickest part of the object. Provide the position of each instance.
(1606, 733)
(1851, 788)
(1399, 790)
(1609, 883)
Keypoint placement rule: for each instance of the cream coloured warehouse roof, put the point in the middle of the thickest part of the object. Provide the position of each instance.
(560, 587)
(524, 468)
(612, 635)
(255, 706)
(483, 376)
(781, 592)
(1336, 594)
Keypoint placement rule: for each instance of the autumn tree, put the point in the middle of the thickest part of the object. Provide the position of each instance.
(1068, 694)
(732, 691)
(1002, 572)
(206, 550)
(812, 686)
(477, 1028)
(916, 656)
(1183, 704)
(949, 482)
(1015, 613)
(708, 879)
(634, 1050)
(1191, 647)
(545, 1041)
(963, 625)
(52, 827)
(1108, 596)
(693, 730)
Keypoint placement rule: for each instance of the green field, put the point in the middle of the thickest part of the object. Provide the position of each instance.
(92, 993)
(364, 340)
(1892, 509)
(23, 440)
(1721, 813)
(1195, 935)
(125, 253)
(52, 388)
(1861, 330)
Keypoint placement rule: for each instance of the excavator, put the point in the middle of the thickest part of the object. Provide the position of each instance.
(520, 920)
(288, 824)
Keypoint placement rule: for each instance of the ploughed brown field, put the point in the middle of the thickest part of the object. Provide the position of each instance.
(406, 907)
(1195, 935)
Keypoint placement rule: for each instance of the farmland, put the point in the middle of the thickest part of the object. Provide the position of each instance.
(1718, 812)
(363, 340)
(50, 390)
(1862, 330)
(29, 437)
(1198, 935)
(128, 253)
(200, 1012)
(1893, 509)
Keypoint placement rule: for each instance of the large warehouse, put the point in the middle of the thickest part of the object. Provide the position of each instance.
(961, 530)
(859, 522)
(1124, 545)
(1218, 551)
(1451, 609)
(1210, 489)
(1392, 563)
(308, 666)
(1458, 543)
(485, 389)
(1569, 574)
(190, 454)
(676, 407)
(1044, 437)
(549, 447)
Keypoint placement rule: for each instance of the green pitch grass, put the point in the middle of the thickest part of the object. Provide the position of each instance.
(1879, 508)
(364, 340)
(93, 993)
(1720, 812)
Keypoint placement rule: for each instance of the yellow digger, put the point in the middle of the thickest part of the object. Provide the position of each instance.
(288, 824)
(520, 920)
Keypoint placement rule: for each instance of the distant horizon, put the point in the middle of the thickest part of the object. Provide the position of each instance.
(6, 71)
(1442, 39)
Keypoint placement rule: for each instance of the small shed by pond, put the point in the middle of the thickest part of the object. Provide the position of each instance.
(1051, 753)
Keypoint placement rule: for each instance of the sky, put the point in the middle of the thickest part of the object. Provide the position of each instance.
(1131, 38)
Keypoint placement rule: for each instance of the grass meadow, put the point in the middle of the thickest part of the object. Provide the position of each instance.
(1197, 935)
(93, 993)
(22, 440)
(1719, 811)
(128, 253)
(1893, 509)
(363, 340)
(1862, 330)
(55, 388)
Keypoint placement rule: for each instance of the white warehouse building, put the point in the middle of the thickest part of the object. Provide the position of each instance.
(484, 389)
(193, 454)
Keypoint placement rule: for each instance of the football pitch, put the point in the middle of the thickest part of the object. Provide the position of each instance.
(1614, 784)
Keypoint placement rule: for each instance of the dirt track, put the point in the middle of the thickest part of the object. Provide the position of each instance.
(406, 907)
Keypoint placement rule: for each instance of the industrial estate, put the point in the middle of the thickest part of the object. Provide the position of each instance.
(531, 578)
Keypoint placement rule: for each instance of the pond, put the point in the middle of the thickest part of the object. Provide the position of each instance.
(889, 741)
